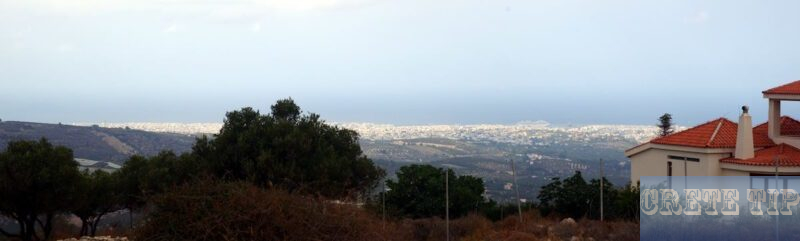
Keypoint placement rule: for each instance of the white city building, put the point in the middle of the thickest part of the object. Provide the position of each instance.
(725, 148)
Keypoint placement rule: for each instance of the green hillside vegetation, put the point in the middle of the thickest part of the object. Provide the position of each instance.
(96, 143)
(490, 161)
(285, 175)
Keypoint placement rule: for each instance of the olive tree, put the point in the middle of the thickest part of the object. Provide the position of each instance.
(37, 182)
(291, 150)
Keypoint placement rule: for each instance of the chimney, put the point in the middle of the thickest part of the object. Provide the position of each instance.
(744, 136)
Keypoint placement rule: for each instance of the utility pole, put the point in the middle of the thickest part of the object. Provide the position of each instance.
(447, 202)
(130, 216)
(602, 176)
(686, 186)
(516, 188)
(777, 217)
(383, 203)
(685, 175)
(685, 170)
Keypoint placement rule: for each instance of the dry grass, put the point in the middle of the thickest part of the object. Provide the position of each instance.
(237, 211)
(534, 227)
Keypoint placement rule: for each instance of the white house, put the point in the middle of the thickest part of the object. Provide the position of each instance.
(92, 166)
(725, 148)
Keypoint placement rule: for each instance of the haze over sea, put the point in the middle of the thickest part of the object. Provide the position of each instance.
(399, 62)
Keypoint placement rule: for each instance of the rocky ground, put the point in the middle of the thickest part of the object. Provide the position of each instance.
(98, 238)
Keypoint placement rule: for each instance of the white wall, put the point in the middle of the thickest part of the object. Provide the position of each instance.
(653, 162)
(730, 172)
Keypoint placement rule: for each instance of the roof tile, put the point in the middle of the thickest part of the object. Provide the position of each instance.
(787, 89)
(704, 136)
(719, 133)
(787, 155)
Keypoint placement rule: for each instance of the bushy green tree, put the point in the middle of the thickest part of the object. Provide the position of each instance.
(419, 192)
(131, 182)
(626, 204)
(610, 195)
(37, 182)
(141, 177)
(289, 150)
(576, 198)
(98, 195)
(570, 196)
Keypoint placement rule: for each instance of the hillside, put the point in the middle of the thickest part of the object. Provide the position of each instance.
(536, 165)
(97, 143)
(541, 154)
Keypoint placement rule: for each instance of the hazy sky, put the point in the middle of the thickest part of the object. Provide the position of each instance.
(395, 61)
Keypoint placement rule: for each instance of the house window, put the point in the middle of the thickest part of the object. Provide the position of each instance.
(683, 158)
(669, 169)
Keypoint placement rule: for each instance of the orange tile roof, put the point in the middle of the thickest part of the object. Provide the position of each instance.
(761, 136)
(789, 127)
(787, 89)
(704, 136)
(719, 133)
(787, 156)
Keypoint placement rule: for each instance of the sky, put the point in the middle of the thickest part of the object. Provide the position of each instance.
(395, 61)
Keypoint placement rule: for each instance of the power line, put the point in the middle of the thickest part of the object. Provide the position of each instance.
(516, 188)
(447, 202)
(383, 201)
(602, 176)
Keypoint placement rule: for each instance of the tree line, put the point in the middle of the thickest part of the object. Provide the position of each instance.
(285, 149)
(575, 197)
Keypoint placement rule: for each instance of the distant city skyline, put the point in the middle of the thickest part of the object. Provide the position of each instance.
(521, 133)
(395, 62)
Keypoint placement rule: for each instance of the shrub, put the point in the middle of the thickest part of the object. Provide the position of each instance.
(38, 182)
(212, 210)
(533, 223)
(291, 150)
(419, 192)
(467, 228)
